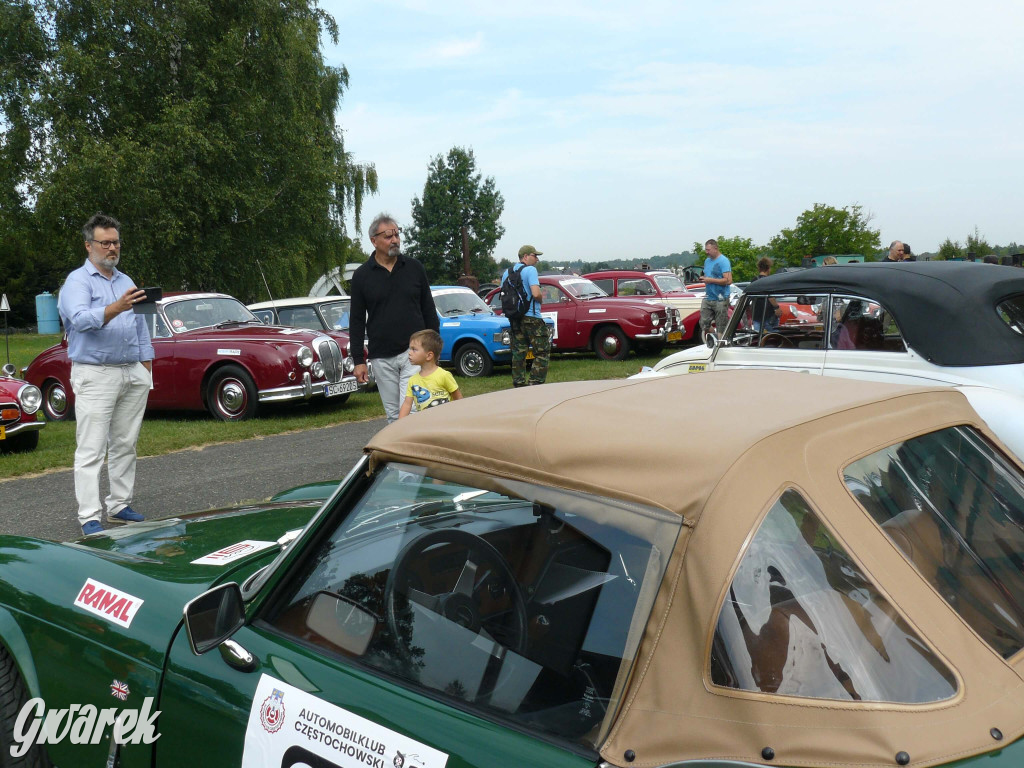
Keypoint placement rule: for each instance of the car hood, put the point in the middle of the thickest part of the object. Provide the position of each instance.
(613, 303)
(253, 332)
(477, 320)
(151, 566)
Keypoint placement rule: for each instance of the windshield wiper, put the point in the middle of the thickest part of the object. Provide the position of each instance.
(226, 323)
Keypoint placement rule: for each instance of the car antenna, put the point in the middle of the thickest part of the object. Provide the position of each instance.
(266, 283)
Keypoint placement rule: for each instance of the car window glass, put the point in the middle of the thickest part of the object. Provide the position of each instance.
(549, 294)
(669, 283)
(157, 327)
(863, 325)
(605, 284)
(635, 287)
(955, 507)
(1012, 312)
(265, 315)
(189, 314)
(452, 302)
(802, 618)
(780, 321)
(336, 314)
(299, 317)
(522, 602)
(582, 288)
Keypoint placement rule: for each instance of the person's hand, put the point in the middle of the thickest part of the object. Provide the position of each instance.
(130, 298)
(703, 279)
(361, 373)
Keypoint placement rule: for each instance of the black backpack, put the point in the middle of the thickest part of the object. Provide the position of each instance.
(514, 301)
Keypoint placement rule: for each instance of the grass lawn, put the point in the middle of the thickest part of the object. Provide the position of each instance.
(165, 432)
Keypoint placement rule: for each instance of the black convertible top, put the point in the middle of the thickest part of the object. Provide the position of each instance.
(946, 310)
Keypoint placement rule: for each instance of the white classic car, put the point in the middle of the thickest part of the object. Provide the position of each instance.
(947, 323)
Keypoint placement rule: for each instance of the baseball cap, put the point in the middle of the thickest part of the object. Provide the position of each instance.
(527, 249)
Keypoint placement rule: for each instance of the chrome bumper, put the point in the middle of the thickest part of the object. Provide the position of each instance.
(303, 391)
(660, 334)
(25, 426)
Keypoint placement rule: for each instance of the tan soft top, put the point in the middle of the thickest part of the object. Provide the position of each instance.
(718, 449)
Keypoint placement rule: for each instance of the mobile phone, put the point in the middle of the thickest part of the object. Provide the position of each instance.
(147, 305)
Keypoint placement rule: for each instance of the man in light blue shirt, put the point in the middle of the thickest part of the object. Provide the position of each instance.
(529, 332)
(111, 374)
(717, 277)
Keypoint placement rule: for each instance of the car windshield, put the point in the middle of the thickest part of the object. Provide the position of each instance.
(669, 284)
(522, 602)
(955, 507)
(459, 302)
(336, 314)
(582, 288)
(189, 314)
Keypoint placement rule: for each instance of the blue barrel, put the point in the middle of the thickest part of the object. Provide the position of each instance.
(46, 313)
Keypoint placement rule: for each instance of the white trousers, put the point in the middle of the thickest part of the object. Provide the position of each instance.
(392, 375)
(109, 403)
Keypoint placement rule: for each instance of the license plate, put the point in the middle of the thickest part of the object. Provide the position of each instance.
(3, 433)
(529, 354)
(341, 388)
(674, 336)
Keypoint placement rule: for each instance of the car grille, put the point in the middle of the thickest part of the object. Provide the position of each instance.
(10, 413)
(330, 355)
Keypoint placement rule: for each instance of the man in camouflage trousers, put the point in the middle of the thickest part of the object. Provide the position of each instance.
(530, 332)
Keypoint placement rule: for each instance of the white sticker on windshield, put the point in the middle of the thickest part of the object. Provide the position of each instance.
(289, 728)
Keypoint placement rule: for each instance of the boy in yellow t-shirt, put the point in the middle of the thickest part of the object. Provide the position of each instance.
(432, 385)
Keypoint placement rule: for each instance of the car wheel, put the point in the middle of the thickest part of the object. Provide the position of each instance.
(21, 443)
(472, 360)
(13, 698)
(610, 343)
(231, 394)
(55, 401)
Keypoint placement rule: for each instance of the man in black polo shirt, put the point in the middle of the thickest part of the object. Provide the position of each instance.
(390, 301)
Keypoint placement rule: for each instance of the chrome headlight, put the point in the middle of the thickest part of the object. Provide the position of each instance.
(349, 365)
(318, 369)
(503, 337)
(30, 398)
(304, 356)
(655, 320)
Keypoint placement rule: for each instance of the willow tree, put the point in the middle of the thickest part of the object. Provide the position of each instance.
(208, 128)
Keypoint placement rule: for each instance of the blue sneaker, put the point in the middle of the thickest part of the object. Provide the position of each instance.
(91, 527)
(126, 515)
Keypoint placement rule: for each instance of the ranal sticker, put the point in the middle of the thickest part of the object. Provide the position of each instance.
(231, 352)
(232, 552)
(289, 727)
(697, 368)
(108, 603)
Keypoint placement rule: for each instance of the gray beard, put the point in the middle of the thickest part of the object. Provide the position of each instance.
(110, 262)
(395, 251)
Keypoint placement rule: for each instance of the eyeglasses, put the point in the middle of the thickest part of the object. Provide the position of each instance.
(387, 234)
(107, 244)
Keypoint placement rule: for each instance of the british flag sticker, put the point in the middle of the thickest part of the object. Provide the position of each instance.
(119, 690)
(272, 711)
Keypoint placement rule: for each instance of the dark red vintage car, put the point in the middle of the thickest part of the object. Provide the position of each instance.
(19, 401)
(587, 318)
(212, 353)
(654, 285)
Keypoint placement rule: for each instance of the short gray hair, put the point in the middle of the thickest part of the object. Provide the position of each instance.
(381, 218)
(101, 221)
(892, 246)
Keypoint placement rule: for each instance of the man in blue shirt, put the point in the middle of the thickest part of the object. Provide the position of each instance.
(529, 332)
(717, 277)
(111, 374)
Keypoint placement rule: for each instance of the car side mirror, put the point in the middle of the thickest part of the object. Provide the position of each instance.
(213, 617)
(711, 341)
(9, 370)
(342, 621)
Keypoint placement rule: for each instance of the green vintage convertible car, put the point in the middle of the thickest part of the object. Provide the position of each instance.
(522, 579)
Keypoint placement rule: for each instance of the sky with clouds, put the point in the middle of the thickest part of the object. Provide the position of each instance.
(633, 129)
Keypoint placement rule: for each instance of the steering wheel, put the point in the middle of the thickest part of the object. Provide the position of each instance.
(484, 577)
(775, 340)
